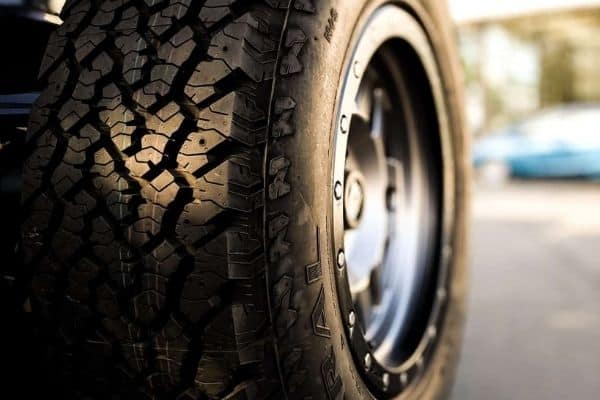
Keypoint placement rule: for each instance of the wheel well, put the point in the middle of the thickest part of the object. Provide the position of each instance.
(22, 43)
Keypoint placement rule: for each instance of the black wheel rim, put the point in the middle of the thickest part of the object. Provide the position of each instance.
(393, 207)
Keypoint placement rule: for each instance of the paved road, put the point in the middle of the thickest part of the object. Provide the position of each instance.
(534, 326)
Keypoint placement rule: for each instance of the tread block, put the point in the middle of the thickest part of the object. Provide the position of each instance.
(242, 45)
(161, 21)
(235, 116)
(91, 39)
(201, 84)
(179, 47)
(195, 152)
(133, 46)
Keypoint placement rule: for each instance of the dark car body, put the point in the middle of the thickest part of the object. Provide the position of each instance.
(25, 26)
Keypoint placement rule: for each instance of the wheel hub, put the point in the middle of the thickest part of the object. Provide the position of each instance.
(354, 199)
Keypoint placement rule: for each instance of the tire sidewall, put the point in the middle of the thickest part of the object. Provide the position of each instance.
(316, 338)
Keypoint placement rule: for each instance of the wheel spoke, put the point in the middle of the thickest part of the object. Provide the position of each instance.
(377, 115)
(366, 299)
(395, 192)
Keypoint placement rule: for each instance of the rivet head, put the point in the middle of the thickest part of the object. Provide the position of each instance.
(352, 319)
(404, 379)
(386, 380)
(338, 190)
(341, 258)
(356, 69)
(441, 294)
(432, 331)
(368, 361)
(447, 252)
(420, 362)
(392, 200)
(345, 124)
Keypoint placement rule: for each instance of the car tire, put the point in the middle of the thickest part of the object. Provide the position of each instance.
(180, 194)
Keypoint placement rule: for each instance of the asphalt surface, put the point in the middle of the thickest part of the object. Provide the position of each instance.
(534, 310)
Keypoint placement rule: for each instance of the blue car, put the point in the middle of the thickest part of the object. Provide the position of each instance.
(562, 142)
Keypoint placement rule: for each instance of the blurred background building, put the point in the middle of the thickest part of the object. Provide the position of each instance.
(532, 79)
(523, 55)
